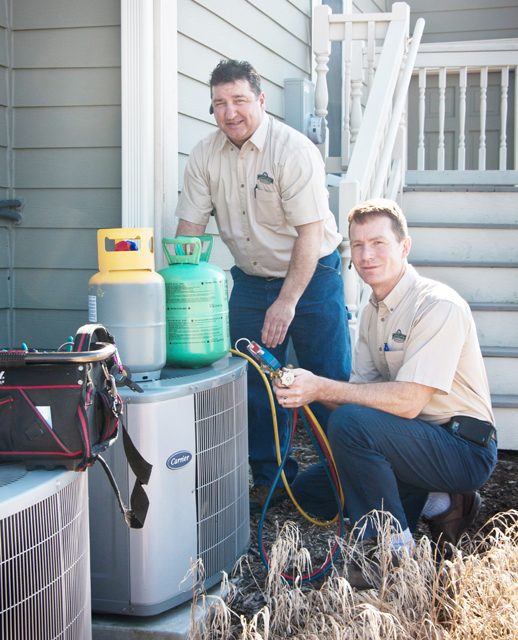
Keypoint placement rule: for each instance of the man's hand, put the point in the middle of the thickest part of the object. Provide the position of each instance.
(276, 322)
(186, 228)
(303, 391)
(304, 259)
(403, 399)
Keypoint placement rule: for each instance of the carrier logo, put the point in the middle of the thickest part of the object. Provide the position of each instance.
(179, 459)
(2, 374)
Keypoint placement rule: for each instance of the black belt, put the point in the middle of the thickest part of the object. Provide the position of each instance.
(472, 429)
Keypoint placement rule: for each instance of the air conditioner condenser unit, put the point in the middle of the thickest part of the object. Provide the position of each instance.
(44, 555)
(191, 425)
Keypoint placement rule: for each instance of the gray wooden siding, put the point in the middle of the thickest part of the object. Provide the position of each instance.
(370, 6)
(5, 227)
(452, 20)
(64, 97)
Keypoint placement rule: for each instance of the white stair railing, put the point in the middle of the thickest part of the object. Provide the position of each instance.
(456, 60)
(371, 135)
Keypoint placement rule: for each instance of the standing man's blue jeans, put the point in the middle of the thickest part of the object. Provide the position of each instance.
(320, 335)
(391, 464)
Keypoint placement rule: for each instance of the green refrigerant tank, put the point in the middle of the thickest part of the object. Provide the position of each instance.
(196, 293)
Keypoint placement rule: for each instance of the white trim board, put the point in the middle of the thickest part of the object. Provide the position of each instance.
(475, 178)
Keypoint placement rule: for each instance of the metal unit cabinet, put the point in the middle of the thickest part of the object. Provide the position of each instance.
(191, 425)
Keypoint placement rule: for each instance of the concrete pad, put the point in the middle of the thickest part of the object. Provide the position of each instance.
(170, 625)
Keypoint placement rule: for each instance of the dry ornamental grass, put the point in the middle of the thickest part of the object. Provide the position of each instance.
(472, 595)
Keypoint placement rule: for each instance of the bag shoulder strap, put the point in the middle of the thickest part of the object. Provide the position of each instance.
(135, 516)
(90, 333)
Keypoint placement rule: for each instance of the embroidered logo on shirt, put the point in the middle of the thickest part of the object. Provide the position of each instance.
(398, 336)
(264, 178)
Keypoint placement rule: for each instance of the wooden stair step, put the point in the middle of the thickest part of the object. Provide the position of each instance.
(503, 401)
(499, 352)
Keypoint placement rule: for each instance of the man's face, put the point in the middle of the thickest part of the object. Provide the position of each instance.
(237, 110)
(377, 254)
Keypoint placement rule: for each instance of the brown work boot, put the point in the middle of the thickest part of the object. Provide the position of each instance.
(259, 494)
(374, 567)
(450, 525)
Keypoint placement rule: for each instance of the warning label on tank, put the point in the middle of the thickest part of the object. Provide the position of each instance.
(197, 297)
(92, 309)
(196, 331)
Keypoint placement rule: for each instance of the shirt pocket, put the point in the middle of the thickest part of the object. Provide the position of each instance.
(268, 209)
(395, 361)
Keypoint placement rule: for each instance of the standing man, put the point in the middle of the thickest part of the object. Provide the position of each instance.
(265, 184)
(413, 430)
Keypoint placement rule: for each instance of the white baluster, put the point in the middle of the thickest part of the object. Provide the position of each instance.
(503, 119)
(356, 90)
(349, 193)
(400, 145)
(346, 133)
(422, 110)
(442, 111)
(463, 81)
(371, 27)
(483, 111)
(322, 49)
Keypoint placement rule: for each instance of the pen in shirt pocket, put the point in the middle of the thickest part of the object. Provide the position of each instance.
(386, 347)
(255, 191)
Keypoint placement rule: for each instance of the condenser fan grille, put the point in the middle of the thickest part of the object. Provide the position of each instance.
(44, 568)
(222, 474)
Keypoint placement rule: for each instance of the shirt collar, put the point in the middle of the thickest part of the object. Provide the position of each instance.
(259, 136)
(398, 292)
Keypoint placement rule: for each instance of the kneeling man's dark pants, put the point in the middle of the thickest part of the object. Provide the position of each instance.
(391, 464)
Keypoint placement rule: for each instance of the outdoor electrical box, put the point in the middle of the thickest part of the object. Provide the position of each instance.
(299, 109)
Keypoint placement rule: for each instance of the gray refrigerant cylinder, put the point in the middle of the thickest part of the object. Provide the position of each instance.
(127, 296)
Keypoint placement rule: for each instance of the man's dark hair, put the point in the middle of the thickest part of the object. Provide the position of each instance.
(233, 70)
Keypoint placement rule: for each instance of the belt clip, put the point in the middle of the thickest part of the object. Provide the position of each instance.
(455, 426)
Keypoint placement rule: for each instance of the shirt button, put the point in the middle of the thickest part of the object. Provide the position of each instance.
(244, 213)
(254, 263)
(242, 186)
(382, 319)
(248, 239)
(381, 349)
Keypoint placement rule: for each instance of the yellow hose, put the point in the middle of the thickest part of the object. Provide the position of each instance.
(326, 523)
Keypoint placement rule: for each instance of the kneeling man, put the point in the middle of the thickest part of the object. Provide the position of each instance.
(412, 432)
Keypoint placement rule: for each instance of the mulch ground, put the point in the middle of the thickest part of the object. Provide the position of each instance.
(499, 494)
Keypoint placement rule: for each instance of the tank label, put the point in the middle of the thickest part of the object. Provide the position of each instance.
(206, 330)
(92, 308)
(178, 460)
(197, 297)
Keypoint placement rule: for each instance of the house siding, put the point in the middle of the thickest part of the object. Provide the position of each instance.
(5, 234)
(454, 20)
(63, 106)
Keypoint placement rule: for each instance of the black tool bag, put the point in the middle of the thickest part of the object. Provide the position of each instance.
(62, 409)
